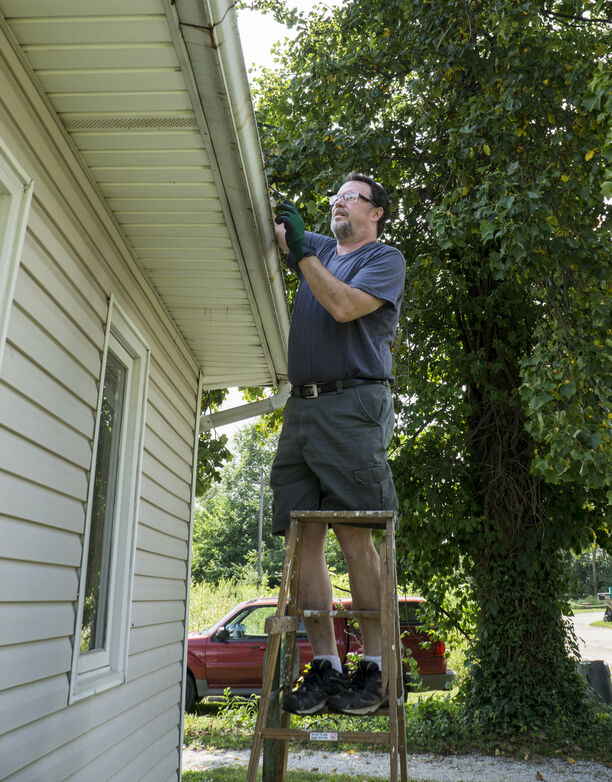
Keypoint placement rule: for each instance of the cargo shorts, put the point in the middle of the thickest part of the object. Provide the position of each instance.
(332, 454)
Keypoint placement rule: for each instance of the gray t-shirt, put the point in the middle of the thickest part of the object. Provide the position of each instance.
(322, 350)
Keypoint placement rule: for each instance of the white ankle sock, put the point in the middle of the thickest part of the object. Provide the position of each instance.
(368, 658)
(333, 659)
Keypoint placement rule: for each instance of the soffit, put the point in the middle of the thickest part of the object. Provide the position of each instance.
(118, 78)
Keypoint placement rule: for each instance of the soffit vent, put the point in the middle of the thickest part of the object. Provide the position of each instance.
(109, 122)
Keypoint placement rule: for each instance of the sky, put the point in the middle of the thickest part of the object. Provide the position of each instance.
(258, 32)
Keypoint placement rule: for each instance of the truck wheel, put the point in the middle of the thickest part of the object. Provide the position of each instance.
(191, 693)
(608, 615)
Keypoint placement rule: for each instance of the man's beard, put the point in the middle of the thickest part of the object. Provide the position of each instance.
(342, 230)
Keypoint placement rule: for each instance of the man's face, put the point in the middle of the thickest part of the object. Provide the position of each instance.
(351, 218)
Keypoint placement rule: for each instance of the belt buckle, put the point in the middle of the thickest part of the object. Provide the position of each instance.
(310, 391)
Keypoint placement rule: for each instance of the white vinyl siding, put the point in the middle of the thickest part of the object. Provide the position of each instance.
(101, 110)
(73, 259)
(48, 393)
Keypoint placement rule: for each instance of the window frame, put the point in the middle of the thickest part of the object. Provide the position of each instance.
(100, 669)
(17, 187)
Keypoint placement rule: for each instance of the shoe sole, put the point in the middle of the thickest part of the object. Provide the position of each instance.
(363, 709)
(312, 710)
(367, 708)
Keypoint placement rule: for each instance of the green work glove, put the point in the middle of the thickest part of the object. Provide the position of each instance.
(294, 233)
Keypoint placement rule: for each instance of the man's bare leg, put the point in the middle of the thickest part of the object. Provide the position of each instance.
(363, 564)
(315, 590)
(325, 678)
(364, 692)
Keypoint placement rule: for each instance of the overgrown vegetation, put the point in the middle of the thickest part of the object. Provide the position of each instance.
(226, 518)
(209, 602)
(212, 449)
(590, 573)
(435, 721)
(490, 123)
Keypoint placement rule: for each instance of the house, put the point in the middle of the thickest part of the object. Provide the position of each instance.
(138, 269)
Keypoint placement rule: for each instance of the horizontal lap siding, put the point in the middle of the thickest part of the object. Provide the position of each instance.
(64, 743)
(73, 259)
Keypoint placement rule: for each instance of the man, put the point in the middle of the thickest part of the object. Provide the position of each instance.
(332, 453)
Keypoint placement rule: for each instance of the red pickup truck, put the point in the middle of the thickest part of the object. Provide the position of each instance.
(230, 654)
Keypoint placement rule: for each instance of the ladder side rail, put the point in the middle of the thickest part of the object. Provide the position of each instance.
(290, 650)
(272, 657)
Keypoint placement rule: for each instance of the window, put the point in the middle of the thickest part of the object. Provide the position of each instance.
(100, 650)
(15, 198)
(250, 623)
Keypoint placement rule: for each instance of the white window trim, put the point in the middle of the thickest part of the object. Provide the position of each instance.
(17, 187)
(97, 671)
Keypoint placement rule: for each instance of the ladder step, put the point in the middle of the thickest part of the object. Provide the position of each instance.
(281, 624)
(356, 518)
(340, 613)
(350, 737)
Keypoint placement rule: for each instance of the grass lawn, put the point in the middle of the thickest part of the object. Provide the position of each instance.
(589, 610)
(601, 623)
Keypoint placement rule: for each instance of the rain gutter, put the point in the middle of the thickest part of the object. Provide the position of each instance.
(233, 414)
(208, 31)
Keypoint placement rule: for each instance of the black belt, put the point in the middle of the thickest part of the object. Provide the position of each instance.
(312, 390)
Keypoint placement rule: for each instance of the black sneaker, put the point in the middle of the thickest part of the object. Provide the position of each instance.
(363, 693)
(320, 683)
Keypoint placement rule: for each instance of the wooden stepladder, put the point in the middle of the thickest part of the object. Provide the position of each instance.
(284, 625)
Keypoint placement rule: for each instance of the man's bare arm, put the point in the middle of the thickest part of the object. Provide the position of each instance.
(343, 302)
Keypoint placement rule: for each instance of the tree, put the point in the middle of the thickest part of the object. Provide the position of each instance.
(590, 573)
(227, 517)
(212, 450)
(480, 119)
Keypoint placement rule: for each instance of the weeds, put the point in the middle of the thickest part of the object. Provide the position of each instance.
(209, 602)
(435, 721)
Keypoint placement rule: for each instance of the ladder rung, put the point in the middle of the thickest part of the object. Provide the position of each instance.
(281, 624)
(339, 613)
(351, 737)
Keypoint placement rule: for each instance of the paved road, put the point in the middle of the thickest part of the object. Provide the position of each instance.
(595, 642)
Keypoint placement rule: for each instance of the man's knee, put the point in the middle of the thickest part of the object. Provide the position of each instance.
(313, 538)
(356, 543)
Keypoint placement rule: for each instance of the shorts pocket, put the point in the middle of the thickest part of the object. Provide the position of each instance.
(370, 475)
(372, 403)
(374, 489)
